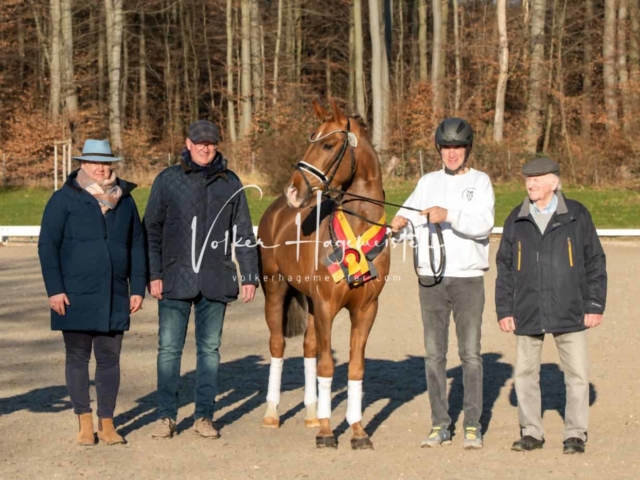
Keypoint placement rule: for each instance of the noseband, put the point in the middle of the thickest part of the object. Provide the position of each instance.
(350, 142)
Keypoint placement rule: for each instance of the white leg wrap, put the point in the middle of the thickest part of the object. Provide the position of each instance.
(310, 375)
(354, 401)
(275, 380)
(324, 397)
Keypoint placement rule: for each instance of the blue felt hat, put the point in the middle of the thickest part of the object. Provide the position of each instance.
(97, 151)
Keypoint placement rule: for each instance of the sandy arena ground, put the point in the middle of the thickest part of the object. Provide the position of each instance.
(37, 426)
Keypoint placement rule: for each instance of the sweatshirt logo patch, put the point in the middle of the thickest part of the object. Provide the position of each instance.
(467, 194)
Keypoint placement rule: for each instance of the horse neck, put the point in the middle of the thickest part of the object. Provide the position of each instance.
(367, 182)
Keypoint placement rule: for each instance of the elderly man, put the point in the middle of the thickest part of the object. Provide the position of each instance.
(552, 279)
(195, 210)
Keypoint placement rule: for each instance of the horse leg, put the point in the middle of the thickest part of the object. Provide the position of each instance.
(361, 323)
(310, 375)
(323, 320)
(275, 293)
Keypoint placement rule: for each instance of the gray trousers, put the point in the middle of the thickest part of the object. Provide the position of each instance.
(572, 349)
(465, 298)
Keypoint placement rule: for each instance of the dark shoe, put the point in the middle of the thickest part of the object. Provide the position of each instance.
(527, 443)
(573, 445)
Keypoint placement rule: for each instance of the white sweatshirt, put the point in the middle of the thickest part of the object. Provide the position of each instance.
(469, 201)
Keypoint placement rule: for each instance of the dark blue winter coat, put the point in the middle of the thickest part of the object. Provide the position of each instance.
(97, 260)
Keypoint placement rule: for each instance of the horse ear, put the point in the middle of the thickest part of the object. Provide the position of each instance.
(320, 112)
(337, 112)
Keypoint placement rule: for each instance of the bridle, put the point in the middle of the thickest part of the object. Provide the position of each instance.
(350, 142)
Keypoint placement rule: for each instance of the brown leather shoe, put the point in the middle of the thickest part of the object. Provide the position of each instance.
(107, 432)
(205, 428)
(85, 430)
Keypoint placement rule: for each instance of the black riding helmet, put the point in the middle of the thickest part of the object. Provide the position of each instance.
(455, 132)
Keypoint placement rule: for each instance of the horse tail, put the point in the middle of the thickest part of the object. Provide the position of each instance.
(295, 312)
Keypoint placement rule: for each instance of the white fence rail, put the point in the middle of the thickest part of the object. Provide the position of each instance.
(31, 232)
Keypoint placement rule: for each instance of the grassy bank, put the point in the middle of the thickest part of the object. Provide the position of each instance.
(610, 207)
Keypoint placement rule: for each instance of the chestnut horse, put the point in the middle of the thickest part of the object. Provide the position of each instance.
(295, 240)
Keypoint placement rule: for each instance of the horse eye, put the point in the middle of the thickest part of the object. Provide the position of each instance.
(327, 146)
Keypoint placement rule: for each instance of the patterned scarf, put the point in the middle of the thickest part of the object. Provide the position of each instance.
(107, 192)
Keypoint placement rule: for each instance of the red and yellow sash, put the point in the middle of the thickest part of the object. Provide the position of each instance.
(353, 256)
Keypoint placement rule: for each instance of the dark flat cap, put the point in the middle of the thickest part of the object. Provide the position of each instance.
(203, 131)
(540, 166)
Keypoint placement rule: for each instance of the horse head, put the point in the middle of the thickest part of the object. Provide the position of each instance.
(331, 159)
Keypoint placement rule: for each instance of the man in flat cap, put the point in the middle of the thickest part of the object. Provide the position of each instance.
(552, 279)
(196, 210)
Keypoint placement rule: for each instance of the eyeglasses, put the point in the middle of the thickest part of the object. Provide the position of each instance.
(201, 147)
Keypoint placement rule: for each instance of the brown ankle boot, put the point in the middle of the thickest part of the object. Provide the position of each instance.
(107, 432)
(85, 430)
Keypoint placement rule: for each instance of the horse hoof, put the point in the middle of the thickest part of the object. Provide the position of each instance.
(270, 422)
(361, 443)
(312, 423)
(326, 441)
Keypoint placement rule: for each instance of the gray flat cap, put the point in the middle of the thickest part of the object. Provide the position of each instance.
(540, 166)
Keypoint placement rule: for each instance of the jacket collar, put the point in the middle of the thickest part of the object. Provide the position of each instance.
(525, 209)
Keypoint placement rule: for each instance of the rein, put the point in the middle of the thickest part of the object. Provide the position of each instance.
(351, 142)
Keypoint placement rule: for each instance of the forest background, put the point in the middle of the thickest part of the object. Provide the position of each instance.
(559, 77)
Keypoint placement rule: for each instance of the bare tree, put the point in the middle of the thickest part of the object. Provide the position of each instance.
(436, 59)
(376, 72)
(276, 56)
(498, 122)
(609, 64)
(456, 34)
(256, 56)
(623, 72)
(422, 39)
(587, 80)
(69, 84)
(113, 13)
(142, 74)
(55, 63)
(246, 69)
(536, 75)
(359, 50)
(634, 63)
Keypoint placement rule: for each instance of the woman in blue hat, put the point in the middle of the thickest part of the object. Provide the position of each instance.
(92, 255)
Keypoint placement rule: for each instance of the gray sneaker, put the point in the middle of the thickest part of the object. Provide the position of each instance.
(165, 428)
(438, 436)
(472, 439)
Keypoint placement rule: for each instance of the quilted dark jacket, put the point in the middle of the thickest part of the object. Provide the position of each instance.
(549, 281)
(189, 224)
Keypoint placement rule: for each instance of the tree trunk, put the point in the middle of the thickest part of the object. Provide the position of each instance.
(498, 122)
(444, 42)
(361, 106)
(21, 52)
(634, 63)
(113, 14)
(587, 81)
(422, 39)
(298, 17)
(352, 62)
(69, 86)
(102, 48)
(550, 80)
(256, 56)
(276, 56)
(560, 83)
(436, 59)
(142, 74)
(623, 73)
(55, 63)
(376, 73)
(246, 68)
(456, 34)
(536, 75)
(327, 72)
(290, 41)
(124, 94)
(609, 65)
(386, 85)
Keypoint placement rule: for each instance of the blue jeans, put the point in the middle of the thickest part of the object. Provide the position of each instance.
(174, 320)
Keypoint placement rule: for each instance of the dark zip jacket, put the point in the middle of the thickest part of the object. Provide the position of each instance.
(549, 281)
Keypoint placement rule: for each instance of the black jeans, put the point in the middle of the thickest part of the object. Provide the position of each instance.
(107, 351)
(465, 298)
